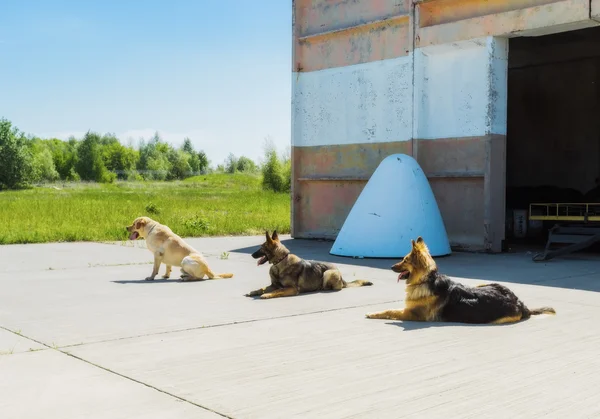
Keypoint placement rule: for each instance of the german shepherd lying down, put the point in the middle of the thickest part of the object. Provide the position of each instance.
(291, 275)
(431, 296)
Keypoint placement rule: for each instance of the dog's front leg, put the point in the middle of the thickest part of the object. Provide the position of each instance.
(283, 292)
(405, 315)
(157, 261)
(167, 274)
(261, 291)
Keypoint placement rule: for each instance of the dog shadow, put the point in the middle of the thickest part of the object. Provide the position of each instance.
(408, 326)
(302, 294)
(156, 281)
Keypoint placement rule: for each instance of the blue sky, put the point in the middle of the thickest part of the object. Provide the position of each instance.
(216, 71)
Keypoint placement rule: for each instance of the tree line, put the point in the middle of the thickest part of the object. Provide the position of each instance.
(26, 160)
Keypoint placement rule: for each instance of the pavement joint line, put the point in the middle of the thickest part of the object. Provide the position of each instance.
(227, 324)
(57, 349)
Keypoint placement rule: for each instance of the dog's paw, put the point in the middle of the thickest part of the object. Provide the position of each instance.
(166, 276)
(368, 316)
(150, 278)
(266, 296)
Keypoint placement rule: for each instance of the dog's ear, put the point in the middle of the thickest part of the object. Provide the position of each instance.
(412, 242)
(274, 236)
(269, 239)
(420, 240)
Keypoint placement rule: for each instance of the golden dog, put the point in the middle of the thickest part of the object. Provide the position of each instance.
(170, 249)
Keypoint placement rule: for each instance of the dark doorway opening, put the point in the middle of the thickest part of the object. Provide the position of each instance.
(553, 129)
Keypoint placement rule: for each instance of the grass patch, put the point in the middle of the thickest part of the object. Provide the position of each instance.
(210, 205)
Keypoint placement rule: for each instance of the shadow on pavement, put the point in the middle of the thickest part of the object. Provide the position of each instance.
(576, 271)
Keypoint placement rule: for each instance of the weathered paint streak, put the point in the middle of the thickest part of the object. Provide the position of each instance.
(437, 12)
(318, 16)
(363, 44)
(550, 18)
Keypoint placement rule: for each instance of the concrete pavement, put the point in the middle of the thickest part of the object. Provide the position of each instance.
(83, 336)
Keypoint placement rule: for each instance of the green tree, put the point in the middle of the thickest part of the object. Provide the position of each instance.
(188, 146)
(90, 163)
(109, 139)
(245, 164)
(194, 163)
(119, 159)
(271, 172)
(276, 171)
(180, 166)
(287, 174)
(203, 162)
(15, 157)
(193, 157)
(43, 168)
(231, 163)
(64, 156)
(154, 163)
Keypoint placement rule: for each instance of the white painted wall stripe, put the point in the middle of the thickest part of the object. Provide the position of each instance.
(363, 103)
(460, 91)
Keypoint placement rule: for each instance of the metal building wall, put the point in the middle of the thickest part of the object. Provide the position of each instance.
(376, 77)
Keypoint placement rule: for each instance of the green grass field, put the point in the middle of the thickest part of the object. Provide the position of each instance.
(210, 205)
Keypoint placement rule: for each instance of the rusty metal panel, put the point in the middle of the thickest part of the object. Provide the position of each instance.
(361, 44)
(452, 155)
(344, 160)
(335, 33)
(461, 203)
(437, 12)
(327, 180)
(443, 21)
(318, 16)
(321, 207)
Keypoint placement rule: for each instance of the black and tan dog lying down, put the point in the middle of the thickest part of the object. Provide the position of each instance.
(431, 296)
(291, 275)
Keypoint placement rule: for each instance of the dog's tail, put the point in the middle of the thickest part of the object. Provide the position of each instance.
(357, 283)
(542, 310)
(211, 275)
(227, 275)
